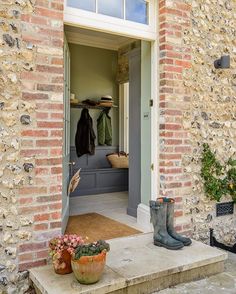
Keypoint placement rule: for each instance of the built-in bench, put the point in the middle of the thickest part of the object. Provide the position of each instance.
(97, 176)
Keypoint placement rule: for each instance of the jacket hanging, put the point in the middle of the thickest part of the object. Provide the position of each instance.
(85, 136)
(104, 128)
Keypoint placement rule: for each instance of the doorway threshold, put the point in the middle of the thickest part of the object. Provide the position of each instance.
(135, 265)
(111, 205)
(95, 226)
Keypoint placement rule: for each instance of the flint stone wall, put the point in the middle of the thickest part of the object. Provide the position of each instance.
(212, 116)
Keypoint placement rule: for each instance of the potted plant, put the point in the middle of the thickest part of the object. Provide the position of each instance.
(61, 249)
(88, 261)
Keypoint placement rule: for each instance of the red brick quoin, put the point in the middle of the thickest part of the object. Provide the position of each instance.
(175, 57)
(42, 139)
(41, 144)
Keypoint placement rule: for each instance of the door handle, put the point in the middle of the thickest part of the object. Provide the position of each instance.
(71, 164)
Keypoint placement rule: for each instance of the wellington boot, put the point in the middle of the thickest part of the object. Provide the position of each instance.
(170, 225)
(158, 218)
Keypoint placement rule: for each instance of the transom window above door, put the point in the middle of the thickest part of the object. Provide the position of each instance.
(130, 10)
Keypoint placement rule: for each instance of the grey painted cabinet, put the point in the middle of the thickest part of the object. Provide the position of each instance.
(97, 176)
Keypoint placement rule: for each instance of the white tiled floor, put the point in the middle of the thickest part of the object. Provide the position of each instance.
(112, 205)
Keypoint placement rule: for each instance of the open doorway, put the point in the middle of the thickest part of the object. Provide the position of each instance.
(117, 68)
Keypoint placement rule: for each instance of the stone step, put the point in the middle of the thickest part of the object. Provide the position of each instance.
(135, 265)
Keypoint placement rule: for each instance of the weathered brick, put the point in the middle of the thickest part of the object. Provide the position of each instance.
(32, 190)
(41, 115)
(28, 265)
(56, 215)
(48, 13)
(33, 152)
(41, 227)
(58, 115)
(27, 210)
(29, 247)
(56, 152)
(55, 206)
(49, 88)
(42, 254)
(49, 106)
(50, 125)
(56, 133)
(49, 69)
(56, 170)
(27, 143)
(34, 96)
(24, 201)
(34, 133)
(48, 161)
(57, 61)
(48, 143)
(25, 257)
(42, 171)
(178, 213)
(51, 198)
(42, 3)
(54, 225)
(42, 217)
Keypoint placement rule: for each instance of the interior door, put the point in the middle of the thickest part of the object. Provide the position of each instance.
(66, 137)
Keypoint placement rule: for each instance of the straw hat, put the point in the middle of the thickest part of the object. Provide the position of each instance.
(106, 98)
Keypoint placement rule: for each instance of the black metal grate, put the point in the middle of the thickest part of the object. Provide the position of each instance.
(224, 208)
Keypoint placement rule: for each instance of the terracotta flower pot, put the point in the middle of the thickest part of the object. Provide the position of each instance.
(62, 266)
(89, 269)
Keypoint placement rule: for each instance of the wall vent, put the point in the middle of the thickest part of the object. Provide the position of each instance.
(224, 208)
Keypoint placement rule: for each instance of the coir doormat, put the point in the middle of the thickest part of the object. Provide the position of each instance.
(95, 226)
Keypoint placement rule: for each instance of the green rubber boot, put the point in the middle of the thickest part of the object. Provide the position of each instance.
(170, 224)
(158, 218)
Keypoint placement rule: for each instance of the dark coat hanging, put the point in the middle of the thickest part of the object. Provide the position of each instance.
(85, 136)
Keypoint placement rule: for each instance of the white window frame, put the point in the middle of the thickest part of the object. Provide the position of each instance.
(109, 24)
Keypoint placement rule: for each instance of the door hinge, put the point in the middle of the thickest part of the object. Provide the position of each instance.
(151, 102)
(152, 166)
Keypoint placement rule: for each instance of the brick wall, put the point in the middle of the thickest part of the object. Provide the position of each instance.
(31, 121)
(41, 141)
(175, 144)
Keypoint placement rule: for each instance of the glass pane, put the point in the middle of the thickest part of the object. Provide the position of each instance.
(89, 5)
(137, 10)
(113, 8)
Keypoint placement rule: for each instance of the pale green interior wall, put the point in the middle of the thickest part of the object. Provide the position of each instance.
(93, 74)
(145, 122)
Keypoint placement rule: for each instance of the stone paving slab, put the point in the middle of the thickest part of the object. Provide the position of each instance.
(133, 263)
(223, 283)
(136, 258)
(47, 282)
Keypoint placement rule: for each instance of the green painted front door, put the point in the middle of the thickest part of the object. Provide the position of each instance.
(66, 137)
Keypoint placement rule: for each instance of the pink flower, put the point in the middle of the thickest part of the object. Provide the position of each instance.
(65, 242)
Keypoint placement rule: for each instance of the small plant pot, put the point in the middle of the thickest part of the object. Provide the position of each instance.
(89, 269)
(63, 265)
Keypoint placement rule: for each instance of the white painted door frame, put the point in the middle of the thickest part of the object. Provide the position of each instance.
(124, 117)
(66, 137)
(143, 211)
